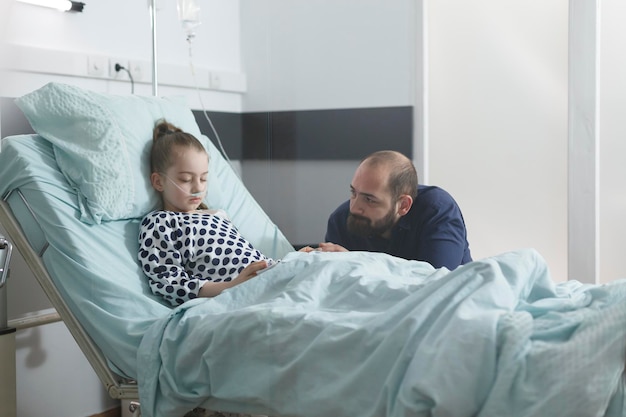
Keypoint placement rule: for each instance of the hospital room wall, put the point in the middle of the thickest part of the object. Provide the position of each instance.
(498, 106)
(498, 121)
(612, 144)
(496, 118)
(120, 31)
(495, 132)
(352, 56)
(498, 114)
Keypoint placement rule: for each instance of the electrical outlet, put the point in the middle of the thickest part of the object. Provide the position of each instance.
(121, 74)
(140, 70)
(96, 66)
(215, 81)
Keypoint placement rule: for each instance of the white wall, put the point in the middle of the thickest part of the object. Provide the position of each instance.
(497, 115)
(121, 30)
(303, 55)
(328, 54)
(498, 121)
(612, 143)
(496, 126)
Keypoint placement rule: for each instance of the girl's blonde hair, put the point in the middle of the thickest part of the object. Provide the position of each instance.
(165, 138)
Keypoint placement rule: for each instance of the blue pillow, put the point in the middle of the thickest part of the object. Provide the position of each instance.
(102, 144)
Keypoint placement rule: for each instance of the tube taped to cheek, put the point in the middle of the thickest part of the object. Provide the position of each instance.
(198, 194)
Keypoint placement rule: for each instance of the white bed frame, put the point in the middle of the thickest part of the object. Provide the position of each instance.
(7, 338)
(117, 386)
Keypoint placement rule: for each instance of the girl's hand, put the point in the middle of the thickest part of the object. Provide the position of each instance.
(211, 289)
(249, 271)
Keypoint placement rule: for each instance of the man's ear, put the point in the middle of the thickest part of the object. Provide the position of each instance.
(404, 204)
(157, 181)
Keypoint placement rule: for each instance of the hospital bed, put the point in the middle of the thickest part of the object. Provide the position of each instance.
(320, 334)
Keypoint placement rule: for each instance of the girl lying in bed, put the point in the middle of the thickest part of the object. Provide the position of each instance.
(185, 249)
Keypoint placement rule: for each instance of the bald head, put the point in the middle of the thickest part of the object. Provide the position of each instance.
(402, 176)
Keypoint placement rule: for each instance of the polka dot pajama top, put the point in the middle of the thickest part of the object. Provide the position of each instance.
(179, 252)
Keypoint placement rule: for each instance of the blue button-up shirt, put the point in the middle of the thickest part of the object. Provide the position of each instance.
(433, 231)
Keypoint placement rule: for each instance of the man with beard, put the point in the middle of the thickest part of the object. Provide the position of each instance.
(389, 212)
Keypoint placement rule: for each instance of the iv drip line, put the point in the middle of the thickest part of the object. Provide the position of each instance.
(189, 15)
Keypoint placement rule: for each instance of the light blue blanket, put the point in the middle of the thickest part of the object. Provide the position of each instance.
(362, 334)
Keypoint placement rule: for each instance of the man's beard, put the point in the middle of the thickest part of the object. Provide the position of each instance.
(364, 227)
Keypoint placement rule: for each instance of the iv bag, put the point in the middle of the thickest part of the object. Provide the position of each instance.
(189, 16)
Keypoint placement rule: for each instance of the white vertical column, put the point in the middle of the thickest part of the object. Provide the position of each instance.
(420, 88)
(583, 169)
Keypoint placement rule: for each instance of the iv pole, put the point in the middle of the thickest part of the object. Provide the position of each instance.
(154, 47)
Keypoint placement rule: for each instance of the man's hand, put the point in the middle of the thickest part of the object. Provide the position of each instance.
(331, 247)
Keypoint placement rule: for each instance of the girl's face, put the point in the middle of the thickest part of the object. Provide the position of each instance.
(185, 178)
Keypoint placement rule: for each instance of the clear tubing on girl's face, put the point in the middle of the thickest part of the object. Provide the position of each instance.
(198, 194)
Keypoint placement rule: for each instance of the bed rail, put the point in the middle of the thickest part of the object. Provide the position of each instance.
(117, 386)
(4, 266)
(8, 391)
(35, 320)
(5, 259)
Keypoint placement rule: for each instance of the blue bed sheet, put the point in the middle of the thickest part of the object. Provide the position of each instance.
(361, 334)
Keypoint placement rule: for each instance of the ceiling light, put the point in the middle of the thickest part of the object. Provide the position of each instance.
(62, 5)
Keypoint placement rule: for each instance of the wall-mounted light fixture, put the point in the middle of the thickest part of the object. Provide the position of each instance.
(62, 5)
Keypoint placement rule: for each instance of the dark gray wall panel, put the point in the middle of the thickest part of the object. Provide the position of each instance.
(338, 134)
